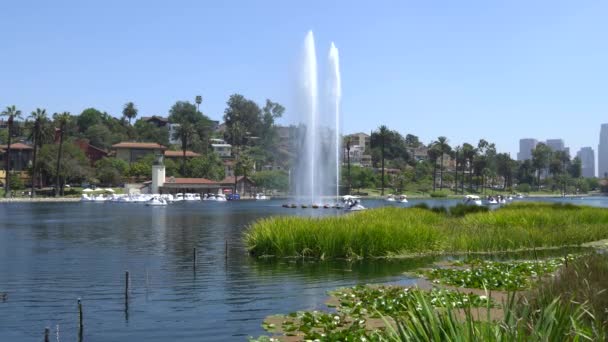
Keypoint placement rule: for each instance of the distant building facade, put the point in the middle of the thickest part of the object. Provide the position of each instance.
(133, 151)
(602, 152)
(587, 157)
(360, 139)
(557, 145)
(220, 147)
(526, 146)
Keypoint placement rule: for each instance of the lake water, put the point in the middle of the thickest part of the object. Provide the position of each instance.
(53, 253)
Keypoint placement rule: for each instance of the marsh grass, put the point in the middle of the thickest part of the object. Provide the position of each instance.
(389, 232)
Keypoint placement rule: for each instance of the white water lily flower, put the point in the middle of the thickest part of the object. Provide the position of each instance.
(482, 297)
(336, 318)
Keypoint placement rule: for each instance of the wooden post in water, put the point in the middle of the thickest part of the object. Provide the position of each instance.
(80, 325)
(47, 331)
(194, 258)
(126, 286)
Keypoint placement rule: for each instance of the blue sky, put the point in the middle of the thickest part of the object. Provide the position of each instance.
(498, 70)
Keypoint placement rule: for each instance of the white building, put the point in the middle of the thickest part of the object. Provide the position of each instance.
(220, 147)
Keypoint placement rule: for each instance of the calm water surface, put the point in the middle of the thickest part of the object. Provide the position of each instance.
(52, 254)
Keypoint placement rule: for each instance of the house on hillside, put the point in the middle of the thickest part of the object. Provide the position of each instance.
(21, 160)
(133, 151)
(93, 153)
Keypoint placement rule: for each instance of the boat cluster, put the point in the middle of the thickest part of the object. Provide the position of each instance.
(398, 199)
(348, 203)
(490, 200)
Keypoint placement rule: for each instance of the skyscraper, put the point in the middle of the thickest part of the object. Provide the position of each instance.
(602, 152)
(587, 158)
(556, 144)
(526, 146)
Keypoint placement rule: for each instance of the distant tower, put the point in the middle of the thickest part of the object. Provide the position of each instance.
(158, 174)
(525, 148)
(587, 158)
(602, 152)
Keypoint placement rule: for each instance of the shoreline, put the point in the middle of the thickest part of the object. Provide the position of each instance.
(40, 200)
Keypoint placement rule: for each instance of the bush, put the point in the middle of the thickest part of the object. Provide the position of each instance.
(439, 194)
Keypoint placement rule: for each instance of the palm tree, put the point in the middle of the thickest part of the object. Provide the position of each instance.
(442, 144)
(185, 131)
(38, 116)
(198, 99)
(12, 113)
(433, 153)
(383, 130)
(62, 119)
(458, 161)
(129, 111)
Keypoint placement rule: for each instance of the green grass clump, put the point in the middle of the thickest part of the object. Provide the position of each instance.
(389, 232)
(373, 233)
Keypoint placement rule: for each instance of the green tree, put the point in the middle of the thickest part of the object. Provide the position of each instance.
(99, 135)
(16, 182)
(540, 160)
(110, 171)
(11, 113)
(208, 166)
(271, 180)
(74, 164)
(412, 141)
(129, 111)
(88, 118)
(362, 178)
(383, 133)
(246, 115)
(151, 133)
(434, 152)
(63, 120)
(39, 117)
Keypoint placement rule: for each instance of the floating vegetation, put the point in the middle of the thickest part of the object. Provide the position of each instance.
(493, 275)
(392, 232)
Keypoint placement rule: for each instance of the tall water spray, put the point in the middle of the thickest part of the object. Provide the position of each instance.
(336, 94)
(316, 166)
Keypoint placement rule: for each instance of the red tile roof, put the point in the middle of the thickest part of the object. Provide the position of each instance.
(172, 180)
(180, 154)
(140, 145)
(17, 146)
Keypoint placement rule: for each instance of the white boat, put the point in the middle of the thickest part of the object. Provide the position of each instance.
(472, 200)
(261, 197)
(352, 203)
(390, 198)
(156, 202)
(220, 198)
(492, 201)
(99, 198)
(85, 198)
(510, 198)
(178, 197)
(402, 199)
(520, 196)
(192, 197)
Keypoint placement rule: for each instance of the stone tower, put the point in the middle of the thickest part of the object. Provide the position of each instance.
(158, 174)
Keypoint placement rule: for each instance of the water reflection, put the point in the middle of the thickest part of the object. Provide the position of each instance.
(52, 254)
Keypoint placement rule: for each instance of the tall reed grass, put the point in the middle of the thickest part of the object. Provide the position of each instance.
(389, 232)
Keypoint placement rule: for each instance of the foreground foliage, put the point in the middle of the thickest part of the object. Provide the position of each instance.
(387, 232)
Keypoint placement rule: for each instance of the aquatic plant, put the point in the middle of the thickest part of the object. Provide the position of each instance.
(485, 274)
(388, 232)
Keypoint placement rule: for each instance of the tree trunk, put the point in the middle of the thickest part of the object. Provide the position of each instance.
(441, 173)
(434, 174)
(7, 163)
(456, 179)
(382, 166)
(33, 178)
(59, 152)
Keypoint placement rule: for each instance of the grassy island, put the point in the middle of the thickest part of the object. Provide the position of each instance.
(390, 232)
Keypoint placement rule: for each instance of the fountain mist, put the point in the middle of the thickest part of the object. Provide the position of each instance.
(316, 166)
